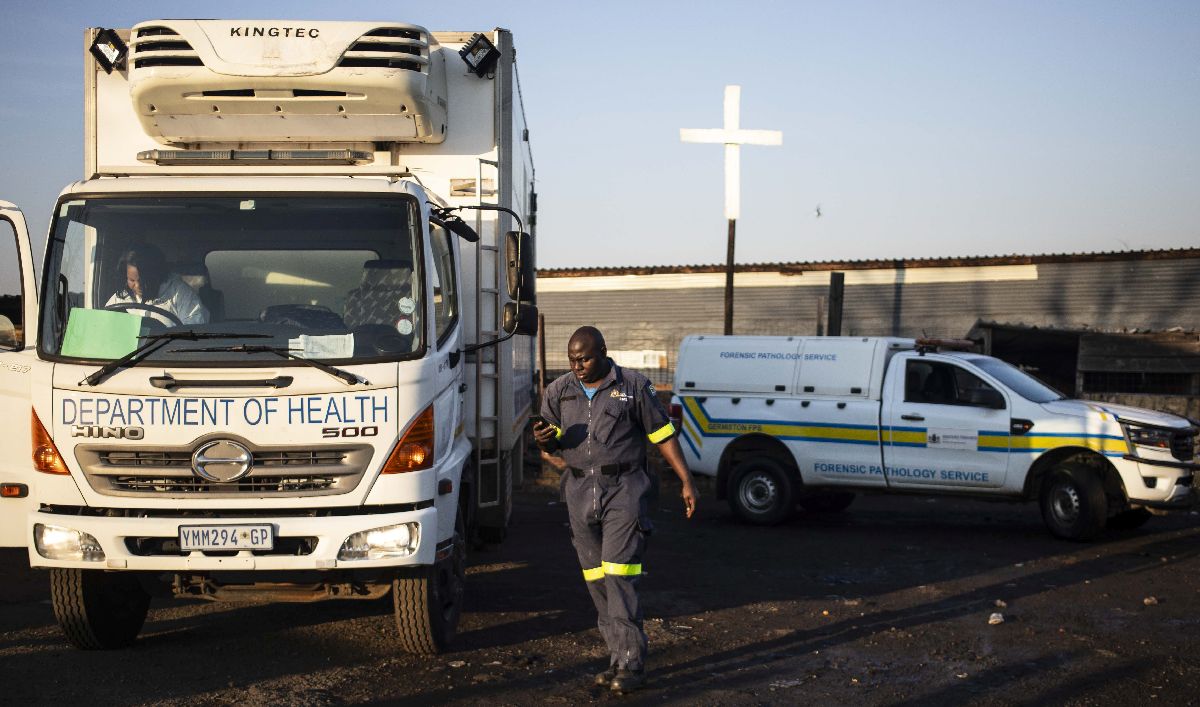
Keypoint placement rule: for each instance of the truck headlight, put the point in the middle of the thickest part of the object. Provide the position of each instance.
(57, 543)
(382, 543)
(1149, 437)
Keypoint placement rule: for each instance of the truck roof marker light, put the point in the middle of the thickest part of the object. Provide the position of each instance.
(164, 158)
(46, 458)
(414, 451)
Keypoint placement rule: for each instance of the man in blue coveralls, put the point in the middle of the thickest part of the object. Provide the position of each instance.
(599, 417)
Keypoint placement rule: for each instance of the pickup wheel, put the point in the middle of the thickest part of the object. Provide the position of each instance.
(760, 491)
(826, 501)
(98, 610)
(1073, 502)
(428, 600)
(1129, 519)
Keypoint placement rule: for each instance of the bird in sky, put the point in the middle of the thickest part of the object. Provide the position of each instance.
(817, 212)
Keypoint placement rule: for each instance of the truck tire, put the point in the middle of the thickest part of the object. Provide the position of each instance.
(1129, 519)
(760, 491)
(428, 600)
(1074, 506)
(826, 501)
(98, 610)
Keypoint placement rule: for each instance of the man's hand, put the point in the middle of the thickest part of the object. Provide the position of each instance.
(557, 462)
(689, 494)
(544, 434)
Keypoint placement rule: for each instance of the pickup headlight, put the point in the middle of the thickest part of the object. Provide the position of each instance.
(1149, 436)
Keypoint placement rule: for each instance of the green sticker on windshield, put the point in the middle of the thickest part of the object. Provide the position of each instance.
(98, 333)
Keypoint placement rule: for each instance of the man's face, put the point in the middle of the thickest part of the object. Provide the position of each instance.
(587, 360)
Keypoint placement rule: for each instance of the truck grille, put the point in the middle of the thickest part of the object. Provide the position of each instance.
(276, 472)
(306, 457)
(194, 485)
(1183, 445)
(161, 46)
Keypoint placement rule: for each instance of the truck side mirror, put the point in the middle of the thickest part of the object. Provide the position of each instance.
(8, 333)
(987, 398)
(455, 225)
(518, 259)
(520, 318)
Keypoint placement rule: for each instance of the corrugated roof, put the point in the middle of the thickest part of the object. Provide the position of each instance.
(823, 265)
(1078, 329)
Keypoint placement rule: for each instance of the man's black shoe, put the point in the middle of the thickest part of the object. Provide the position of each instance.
(627, 680)
(605, 678)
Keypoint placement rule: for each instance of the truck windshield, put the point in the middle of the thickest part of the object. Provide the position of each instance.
(1018, 381)
(332, 278)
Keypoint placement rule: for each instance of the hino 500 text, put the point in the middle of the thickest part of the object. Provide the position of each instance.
(271, 354)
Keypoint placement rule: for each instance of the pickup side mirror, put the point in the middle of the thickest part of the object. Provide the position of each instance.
(520, 318)
(518, 260)
(986, 398)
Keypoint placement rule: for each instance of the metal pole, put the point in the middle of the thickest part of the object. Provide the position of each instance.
(541, 359)
(729, 279)
(837, 283)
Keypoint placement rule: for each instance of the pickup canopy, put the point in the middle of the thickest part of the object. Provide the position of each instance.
(840, 366)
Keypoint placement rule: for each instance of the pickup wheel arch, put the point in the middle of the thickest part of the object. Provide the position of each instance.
(754, 445)
(1041, 468)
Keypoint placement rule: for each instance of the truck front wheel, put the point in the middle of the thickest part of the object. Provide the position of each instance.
(428, 600)
(1073, 502)
(760, 491)
(98, 610)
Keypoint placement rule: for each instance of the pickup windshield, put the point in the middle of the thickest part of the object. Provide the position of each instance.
(332, 278)
(1018, 381)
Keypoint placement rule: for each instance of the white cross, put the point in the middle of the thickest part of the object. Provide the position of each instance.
(733, 138)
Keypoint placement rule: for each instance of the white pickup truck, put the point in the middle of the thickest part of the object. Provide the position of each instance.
(810, 420)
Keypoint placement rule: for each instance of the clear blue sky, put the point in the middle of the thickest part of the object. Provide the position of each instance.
(923, 129)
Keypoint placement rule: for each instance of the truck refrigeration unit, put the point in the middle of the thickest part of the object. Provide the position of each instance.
(273, 351)
(782, 420)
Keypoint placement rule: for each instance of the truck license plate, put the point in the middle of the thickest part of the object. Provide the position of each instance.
(226, 537)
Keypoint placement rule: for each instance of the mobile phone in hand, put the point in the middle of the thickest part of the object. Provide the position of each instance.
(536, 420)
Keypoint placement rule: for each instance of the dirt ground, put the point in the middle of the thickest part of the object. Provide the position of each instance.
(887, 603)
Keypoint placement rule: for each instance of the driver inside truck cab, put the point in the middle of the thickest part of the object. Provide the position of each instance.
(147, 287)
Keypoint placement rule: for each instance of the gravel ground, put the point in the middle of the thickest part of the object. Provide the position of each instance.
(887, 603)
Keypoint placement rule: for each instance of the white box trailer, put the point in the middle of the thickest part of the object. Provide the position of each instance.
(275, 351)
(787, 420)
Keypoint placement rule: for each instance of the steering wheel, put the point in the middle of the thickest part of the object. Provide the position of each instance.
(164, 313)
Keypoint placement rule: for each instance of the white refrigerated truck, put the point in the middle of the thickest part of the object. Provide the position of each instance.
(325, 398)
(782, 420)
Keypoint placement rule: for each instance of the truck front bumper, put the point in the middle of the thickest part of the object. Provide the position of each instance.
(119, 538)
(1159, 484)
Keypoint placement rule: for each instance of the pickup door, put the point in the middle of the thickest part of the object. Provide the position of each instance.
(937, 416)
(18, 311)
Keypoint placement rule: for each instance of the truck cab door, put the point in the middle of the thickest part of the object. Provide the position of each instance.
(937, 416)
(18, 325)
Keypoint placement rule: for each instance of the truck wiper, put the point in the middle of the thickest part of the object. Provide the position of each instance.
(154, 342)
(345, 376)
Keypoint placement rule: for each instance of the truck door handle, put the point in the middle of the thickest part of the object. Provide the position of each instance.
(913, 418)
